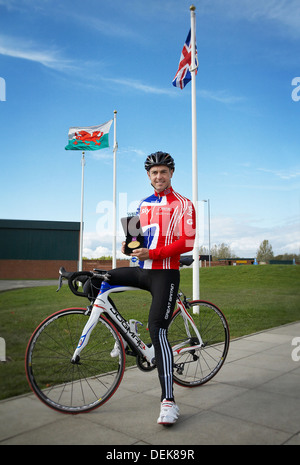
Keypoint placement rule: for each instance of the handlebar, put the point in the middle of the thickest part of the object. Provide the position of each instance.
(73, 277)
(85, 277)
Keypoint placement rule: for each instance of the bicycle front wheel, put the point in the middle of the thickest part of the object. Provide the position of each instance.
(74, 387)
(195, 367)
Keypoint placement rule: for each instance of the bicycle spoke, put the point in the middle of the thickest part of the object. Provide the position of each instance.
(73, 387)
(199, 365)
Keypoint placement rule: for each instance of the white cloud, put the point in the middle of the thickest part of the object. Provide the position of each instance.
(28, 50)
(221, 96)
(96, 245)
(284, 14)
(104, 26)
(137, 85)
(98, 252)
(283, 173)
(245, 236)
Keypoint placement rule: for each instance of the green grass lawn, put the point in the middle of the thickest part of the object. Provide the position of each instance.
(253, 298)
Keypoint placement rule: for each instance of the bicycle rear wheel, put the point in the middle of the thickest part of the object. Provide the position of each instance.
(197, 366)
(74, 387)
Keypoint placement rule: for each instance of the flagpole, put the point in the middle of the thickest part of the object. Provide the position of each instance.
(81, 219)
(114, 260)
(193, 68)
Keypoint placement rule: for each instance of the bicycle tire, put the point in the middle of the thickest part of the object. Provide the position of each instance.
(65, 386)
(198, 366)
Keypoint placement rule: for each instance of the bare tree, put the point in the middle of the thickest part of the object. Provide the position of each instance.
(222, 251)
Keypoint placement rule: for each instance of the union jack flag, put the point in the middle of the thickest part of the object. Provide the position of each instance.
(183, 75)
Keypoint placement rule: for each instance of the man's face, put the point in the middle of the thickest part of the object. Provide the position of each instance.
(160, 177)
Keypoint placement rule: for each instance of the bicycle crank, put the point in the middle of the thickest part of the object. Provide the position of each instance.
(143, 364)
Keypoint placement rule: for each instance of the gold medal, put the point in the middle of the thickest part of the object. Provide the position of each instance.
(134, 244)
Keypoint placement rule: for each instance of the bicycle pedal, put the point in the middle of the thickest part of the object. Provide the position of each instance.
(179, 369)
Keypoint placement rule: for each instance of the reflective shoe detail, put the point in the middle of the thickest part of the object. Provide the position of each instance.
(169, 413)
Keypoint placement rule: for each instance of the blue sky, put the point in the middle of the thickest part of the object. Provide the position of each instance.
(73, 63)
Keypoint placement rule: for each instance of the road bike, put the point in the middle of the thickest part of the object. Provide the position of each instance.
(75, 359)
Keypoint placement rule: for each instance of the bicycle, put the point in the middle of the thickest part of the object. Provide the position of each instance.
(75, 377)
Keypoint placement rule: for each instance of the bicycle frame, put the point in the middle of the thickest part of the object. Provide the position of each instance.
(180, 348)
(102, 304)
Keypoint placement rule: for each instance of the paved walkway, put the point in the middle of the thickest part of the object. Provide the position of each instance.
(255, 399)
(9, 284)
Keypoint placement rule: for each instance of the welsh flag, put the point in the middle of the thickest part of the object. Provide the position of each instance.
(89, 138)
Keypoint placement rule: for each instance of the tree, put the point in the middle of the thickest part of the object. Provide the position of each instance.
(288, 256)
(222, 251)
(264, 252)
(203, 250)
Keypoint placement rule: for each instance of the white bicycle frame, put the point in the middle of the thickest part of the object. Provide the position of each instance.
(181, 348)
(102, 304)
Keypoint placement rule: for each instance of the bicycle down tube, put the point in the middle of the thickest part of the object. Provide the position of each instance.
(102, 304)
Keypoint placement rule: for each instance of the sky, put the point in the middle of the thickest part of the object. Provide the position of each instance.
(73, 63)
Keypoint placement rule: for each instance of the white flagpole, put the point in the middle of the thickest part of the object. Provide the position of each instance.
(114, 259)
(81, 219)
(196, 276)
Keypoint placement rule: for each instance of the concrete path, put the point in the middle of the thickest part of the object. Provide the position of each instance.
(255, 399)
(9, 284)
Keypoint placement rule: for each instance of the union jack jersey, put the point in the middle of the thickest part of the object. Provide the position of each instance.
(169, 225)
(183, 75)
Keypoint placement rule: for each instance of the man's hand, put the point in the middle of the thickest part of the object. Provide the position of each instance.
(141, 254)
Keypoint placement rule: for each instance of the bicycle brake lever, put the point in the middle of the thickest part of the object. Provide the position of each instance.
(60, 283)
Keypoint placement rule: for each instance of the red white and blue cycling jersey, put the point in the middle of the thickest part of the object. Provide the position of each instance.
(169, 226)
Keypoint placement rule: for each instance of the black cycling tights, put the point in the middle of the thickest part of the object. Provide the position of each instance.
(163, 286)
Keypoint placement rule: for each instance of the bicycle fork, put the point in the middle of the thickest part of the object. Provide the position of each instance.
(85, 335)
(100, 305)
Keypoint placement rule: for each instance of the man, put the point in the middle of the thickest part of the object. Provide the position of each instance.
(168, 223)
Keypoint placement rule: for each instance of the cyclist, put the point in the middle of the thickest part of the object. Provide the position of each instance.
(168, 223)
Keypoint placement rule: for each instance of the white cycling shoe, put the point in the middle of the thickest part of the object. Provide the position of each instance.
(133, 328)
(169, 413)
(116, 351)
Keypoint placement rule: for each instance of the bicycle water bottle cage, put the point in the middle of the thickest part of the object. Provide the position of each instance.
(134, 326)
